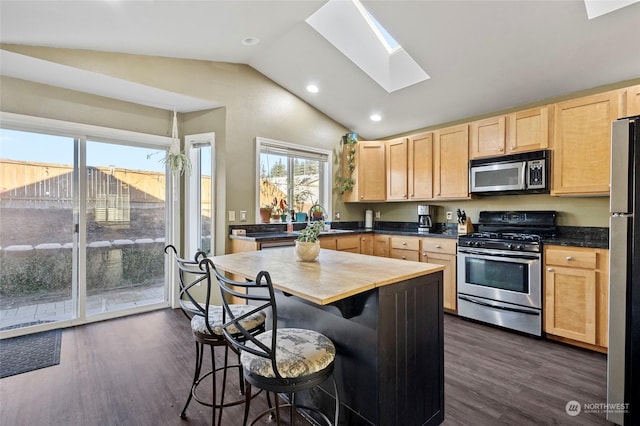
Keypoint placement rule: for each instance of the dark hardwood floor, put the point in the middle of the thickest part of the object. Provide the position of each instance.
(137, 371)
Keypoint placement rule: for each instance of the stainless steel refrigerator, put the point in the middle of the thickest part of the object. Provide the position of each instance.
(623, 361)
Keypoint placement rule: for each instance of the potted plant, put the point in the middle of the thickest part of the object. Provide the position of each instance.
(265, 214)
(307, 244)
(316, 212)
(300, 197)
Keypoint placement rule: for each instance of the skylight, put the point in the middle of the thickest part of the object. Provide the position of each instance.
(351, 29)
(386, 39)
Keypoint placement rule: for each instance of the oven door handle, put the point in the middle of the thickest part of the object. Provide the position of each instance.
(504, 308)
(493, 254)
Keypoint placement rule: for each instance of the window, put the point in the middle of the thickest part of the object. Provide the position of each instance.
(299, 175)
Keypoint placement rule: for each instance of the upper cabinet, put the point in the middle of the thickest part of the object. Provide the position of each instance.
(397, 156)
(451, 163)
(529, 130)
(369, 173)
(633, 100)
(581, 147)
(410, 168)
(487, 137)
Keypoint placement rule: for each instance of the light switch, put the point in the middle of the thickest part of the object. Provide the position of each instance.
(232, 215)
(243, 215)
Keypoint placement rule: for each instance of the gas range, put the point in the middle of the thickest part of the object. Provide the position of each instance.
(511, 230)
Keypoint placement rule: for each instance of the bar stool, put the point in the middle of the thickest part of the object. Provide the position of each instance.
(207, 322)
(280, 360)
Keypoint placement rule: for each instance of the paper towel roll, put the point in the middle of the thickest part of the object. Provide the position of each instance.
(368, 219)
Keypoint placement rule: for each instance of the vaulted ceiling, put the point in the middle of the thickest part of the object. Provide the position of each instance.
(481, 56)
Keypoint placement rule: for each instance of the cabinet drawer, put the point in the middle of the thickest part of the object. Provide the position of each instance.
(572, 258)
(439, 245)
(348, 243)
(412, 255)
(405, 243)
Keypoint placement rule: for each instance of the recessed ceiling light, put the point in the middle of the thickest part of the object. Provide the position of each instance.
(312, 88)
(375, 117)
(250, 41)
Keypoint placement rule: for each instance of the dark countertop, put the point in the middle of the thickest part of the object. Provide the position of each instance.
(567, 235)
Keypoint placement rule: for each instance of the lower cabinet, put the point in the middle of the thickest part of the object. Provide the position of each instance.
(350, 243)
(442, 251)
(366, 244)
(577, 295)
(381, 245)
(406, 248)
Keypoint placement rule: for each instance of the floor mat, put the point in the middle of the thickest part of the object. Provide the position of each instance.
(30, 352)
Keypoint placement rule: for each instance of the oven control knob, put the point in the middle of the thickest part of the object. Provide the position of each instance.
(510, 246)
(520, 247)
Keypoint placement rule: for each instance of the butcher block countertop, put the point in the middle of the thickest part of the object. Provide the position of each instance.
(335, 276)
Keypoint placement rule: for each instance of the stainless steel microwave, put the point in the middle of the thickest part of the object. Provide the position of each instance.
(525, 173)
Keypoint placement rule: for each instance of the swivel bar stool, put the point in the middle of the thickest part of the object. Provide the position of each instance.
(206, 324)
(280, 360)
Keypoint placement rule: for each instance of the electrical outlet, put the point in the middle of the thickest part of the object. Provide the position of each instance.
(243, 215)
(449, 215)
(232, 215)
(336, 216)
(377, 215)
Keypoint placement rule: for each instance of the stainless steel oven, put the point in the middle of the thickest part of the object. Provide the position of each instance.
(501, 287)
(500, 269)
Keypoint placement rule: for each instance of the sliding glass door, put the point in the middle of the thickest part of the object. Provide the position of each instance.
(37, 205)
(82, 228)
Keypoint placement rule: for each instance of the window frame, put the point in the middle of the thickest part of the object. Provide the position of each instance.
(325, 196)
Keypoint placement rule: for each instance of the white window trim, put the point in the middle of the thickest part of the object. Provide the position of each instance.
(326, 179)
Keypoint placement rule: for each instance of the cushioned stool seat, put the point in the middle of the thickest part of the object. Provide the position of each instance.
(199, 325)
(299, 352)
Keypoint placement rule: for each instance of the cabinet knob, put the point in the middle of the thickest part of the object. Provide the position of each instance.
(404, 244)
(500, 149)
(361, 197)
(513, 148)
(569, 258)
(424, 253)
(438, 194)
(549, 269)
(437, 245)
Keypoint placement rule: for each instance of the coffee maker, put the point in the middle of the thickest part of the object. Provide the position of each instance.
(424, 218)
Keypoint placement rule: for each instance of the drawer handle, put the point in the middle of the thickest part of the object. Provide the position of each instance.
(569, 258)
(404, 244)
(404, 258)
(549, 269)
(437, 245)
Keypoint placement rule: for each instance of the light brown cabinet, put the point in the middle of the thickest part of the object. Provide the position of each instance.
(369, 173)
(397, 155)
(406, 248)
(451, 163)
(366, 244)
(410, 168)
(381, 245)
(576, 295)
(487, 137)
(581, 144)
(529, 130)
(328, 243)
(442, 251)
(350, 243)
(633, 100)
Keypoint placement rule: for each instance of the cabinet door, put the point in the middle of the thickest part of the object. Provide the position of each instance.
(350, 243)
(381, 245)
(412, 255)
(328, 243)
(528, 130)
(487, 137)
(582, 144)
(366, 244)
(371, 171)
(570, 303)
(397, 154)
(451, 163)
(420, 169)
(450, 293)
(633, 100)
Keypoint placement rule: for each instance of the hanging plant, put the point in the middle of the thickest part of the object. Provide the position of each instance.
(176, 160)
(347, 182)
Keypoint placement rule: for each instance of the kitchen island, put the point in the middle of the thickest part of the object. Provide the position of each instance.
(385, 318)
